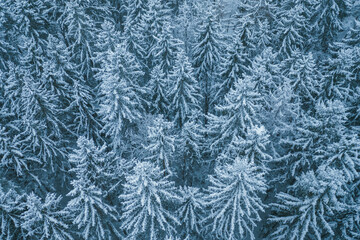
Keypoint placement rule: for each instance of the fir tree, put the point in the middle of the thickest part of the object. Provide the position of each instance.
(165, 49)
(292, 30)
(121, 95)
(45, 220)
(234, 199)
(236, 115)
(309, 211)
(206, 55)
(161, 144)
(305, 80)
(326, 20)
(146, 200)
(157, 86)
(11, 207)
(79, 36)
(92, 216)
(233, 67)
(184, 92)
(189, 149)
(191, 211)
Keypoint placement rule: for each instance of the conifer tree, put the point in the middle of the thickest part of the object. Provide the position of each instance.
(90, 213)
(189, 150)
(147, 196)
(233, 67)
(191, 212)
(326, 20)
(11, 207)
(161, 144)
(236, 115)
(292, 30)
(308, 212)
(121, 96)
(158, 86)
(184, 93)
(206, 55)
(45, 220)
(165, 49)
(234, 199)
(305, 80)
(79, 35)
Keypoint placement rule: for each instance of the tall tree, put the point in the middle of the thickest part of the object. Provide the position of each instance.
(146, 200)
(234, 199)
(184, 93)
(206, 55)
(121, 97)
(90, 213)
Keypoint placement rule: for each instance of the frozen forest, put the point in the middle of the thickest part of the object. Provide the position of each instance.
(179, 119)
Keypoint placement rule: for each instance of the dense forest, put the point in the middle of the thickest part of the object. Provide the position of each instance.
(179, 119)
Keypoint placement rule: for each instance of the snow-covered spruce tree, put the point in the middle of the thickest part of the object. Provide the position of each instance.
(107, 39)
(161, 144)
(89, 161)
(33, 127)
(191, 212)
(292, 30)
(78, 28)
(58, 72)
(206, 58)
(40, 118)
(7, 51)
(304, 146)
(343, 155)
(245, 27)
(120, 94)
(165, 49)
(233, 66)
(236, 115)
(188, 152)
(187, 19)
(136, 11)
(339, 79)
(79, 35)
(305, 80)
(258, 21)
(146, 202)
(11, 208)
(253, 148)
(262, 36)
(156, 18)
(157, 94)
(234, 200)
(133, 36)
(82, 110)
(326, 20)
(91, 216)
(266, 74)
(184, 93)
(14, 160)
(351, 38)
(309, 211)
(45, 220)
